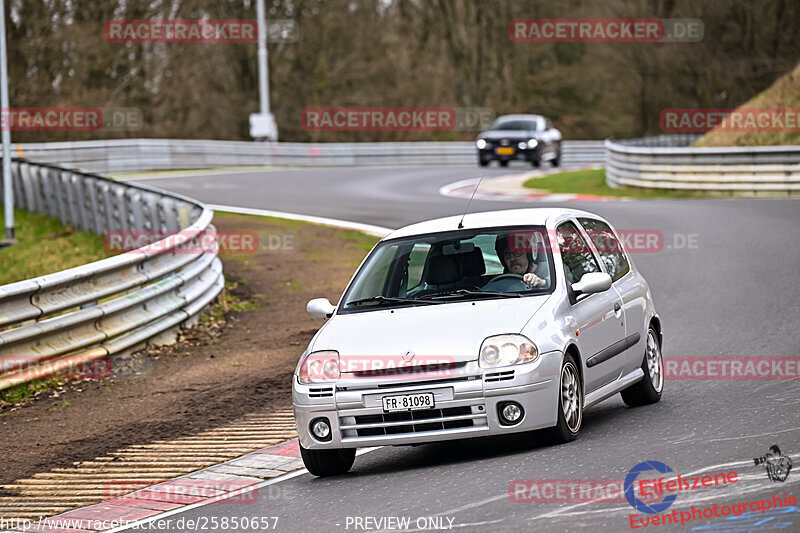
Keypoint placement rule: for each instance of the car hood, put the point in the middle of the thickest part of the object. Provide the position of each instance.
(508, 134)
(452, 330)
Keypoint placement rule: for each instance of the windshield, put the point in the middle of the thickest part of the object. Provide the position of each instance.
(529, 125)
(453, 266)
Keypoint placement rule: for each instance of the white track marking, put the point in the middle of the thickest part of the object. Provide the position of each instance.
(739, 437)
(378, 231)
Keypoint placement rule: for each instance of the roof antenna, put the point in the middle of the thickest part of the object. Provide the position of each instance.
(461, 222)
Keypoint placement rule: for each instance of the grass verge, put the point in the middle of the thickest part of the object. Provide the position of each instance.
(45, 245)
(27, 390)
(594, 182)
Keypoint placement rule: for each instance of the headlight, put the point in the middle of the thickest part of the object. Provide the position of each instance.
(521, 145)
(532, 143)
(319, 367)
(505, 350)
(481, 144)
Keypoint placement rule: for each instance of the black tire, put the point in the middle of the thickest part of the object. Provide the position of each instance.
(649, 389)
(503, 162)
(536, 162)
(568, 426)
(323, 463)
(556, 161)
(483, 161)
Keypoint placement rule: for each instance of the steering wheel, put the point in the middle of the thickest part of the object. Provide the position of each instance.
(507, 275)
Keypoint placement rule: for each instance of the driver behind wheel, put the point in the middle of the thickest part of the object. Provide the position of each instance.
(518, 261)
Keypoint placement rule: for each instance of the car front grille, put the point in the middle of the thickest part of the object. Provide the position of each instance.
(503, 375)
(411, 421)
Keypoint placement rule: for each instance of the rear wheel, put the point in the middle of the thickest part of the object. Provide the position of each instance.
(322, 463)
(570, 404)
(649, 389)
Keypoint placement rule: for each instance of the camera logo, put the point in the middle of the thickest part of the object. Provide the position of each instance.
(638, 503)
(777, 465)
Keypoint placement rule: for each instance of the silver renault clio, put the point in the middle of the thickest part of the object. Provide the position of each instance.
(486, 324)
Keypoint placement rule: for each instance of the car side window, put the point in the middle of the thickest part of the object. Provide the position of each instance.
(548, 125)
(607, 246)
(416, 264)
(576, 255)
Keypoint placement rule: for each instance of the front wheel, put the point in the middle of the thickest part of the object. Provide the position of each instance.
(322, 463)
(556, 161)
(649, 389)
(570, 404)
(482, 161)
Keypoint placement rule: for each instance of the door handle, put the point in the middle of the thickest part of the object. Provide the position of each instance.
(617, 307)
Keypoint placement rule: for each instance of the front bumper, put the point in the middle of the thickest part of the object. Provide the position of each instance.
(466, 405)
(524, 154)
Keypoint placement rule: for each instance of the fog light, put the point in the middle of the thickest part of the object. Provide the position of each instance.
(510, 413)
(321, 429)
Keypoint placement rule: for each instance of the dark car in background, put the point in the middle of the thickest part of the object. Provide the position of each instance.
(530, 138)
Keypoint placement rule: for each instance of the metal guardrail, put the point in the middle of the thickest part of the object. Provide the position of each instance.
(131, 155)
(668, 162)
(55, 323)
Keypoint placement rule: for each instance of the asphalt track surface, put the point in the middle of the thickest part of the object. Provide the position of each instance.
(726, 283)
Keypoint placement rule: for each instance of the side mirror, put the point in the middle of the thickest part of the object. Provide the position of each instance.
(322, 308)
(592, 282)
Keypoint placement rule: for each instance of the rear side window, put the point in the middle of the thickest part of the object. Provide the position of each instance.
(607, 246)
(576, 255)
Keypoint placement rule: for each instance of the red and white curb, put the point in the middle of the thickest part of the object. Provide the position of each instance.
(510, 188)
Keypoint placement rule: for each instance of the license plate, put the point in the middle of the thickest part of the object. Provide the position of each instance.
(408, 402)
(505, 151)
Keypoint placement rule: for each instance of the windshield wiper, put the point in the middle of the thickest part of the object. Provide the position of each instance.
(389, 299)
(468, 292)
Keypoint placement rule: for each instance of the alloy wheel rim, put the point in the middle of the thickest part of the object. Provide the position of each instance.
(571, 398)
(654, 362)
